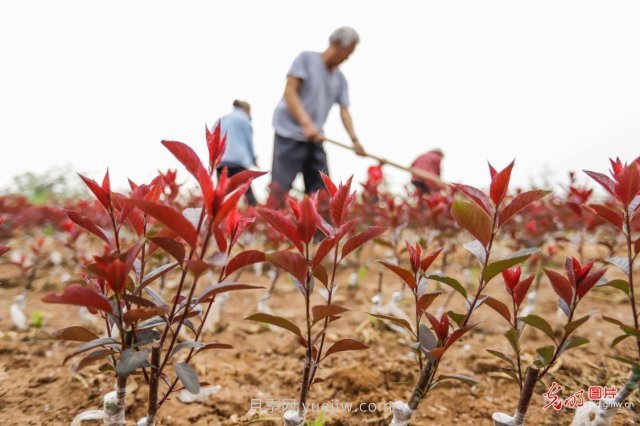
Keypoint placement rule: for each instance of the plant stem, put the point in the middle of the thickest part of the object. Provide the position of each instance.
(630, 259)
(153, 386)
(304, 390)
(422, 386)
(323, 332)
(526, 391)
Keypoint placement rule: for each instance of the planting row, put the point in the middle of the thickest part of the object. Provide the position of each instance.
(203, 240)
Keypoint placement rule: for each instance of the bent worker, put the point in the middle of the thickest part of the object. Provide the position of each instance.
(239, 154)
(314, 84)
(429, 162)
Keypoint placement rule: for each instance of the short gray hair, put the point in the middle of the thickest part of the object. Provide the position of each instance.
(344, 36)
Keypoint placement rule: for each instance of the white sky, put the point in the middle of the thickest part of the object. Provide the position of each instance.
(555, 84)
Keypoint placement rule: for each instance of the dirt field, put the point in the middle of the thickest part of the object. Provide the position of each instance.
(35, 389)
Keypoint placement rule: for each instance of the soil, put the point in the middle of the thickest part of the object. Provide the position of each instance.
(265, 365)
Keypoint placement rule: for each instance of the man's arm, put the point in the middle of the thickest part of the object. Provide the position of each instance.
(347, 121)
(296, 108)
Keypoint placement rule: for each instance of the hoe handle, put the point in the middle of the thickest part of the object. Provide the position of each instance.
(415, 171)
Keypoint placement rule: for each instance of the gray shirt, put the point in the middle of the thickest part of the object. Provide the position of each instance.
(319, 90)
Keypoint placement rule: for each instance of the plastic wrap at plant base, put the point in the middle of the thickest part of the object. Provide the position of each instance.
(401, 414)
(502, 419)
(111, 414)
(291, 418)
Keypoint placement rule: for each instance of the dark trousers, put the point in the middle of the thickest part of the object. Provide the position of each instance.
(232, 169)
(291, 157)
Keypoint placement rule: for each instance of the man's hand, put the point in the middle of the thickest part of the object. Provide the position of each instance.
(358, 148)
(311, 133)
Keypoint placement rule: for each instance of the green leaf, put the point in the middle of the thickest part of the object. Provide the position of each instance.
(613, 320)
(460, 377)
(401, 322)
(495, 268)
(473, 218)
(632, 331)
(451, 282)
(130, 361)
(539, 323)
(185, 345)
(618, 340)
(546, 353)
(457, 318)
(573, 342)
(188, 377)
(570, 327)
(503, 357)
(277, 321)
(512, 373)
(622, 359)
(513, 336)
(621, 285)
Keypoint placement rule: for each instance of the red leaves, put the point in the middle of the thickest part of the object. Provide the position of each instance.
(521, 289)
(624, 186)
(476, 196)
(511, 278)
(284, 225)
(499, 307)
(607, 214)
(331, 187)
(440, 327)
(427, 261)
(80, 296)
(517, 289)
(561, 286)
(363, 237)
(291, 262)
(500, 184)
(141, 314)
(345, 345)
(170, 217)
(406, 275)
(192, 163)
(340, 202)
(215, 145)
(627, 184)
(243, 259)
(102, 193)
(579, 280)
(309, 220)
(519, 202)
(415, 252)
(89, 225)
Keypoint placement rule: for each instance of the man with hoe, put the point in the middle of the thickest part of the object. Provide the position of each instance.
(314, 85)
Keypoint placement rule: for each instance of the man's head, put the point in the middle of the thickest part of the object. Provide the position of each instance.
(342, 43)
(243, 105)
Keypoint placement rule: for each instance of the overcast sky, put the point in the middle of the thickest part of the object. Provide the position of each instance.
(555, 84)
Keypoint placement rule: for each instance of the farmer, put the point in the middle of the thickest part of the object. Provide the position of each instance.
(314, 84)
(239, 155)
(429, 162)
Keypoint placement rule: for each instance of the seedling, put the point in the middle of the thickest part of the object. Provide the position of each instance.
(305, 266)
(142, 327)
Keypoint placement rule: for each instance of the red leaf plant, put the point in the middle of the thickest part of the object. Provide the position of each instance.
(317, 249)
(142, 327)
(482, 215)
(571, 288)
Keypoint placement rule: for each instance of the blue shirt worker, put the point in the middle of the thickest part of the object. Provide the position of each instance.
(239, 154)
(314, 84)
